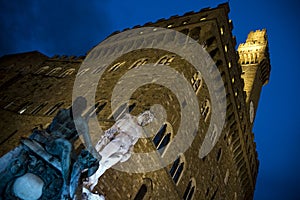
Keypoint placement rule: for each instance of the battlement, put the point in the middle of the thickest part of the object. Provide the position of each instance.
(255, 51)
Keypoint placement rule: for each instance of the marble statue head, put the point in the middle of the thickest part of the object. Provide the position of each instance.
(145, 118)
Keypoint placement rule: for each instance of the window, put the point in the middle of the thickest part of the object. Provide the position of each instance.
(139, 62)
(177, 169)
(162, 139)
(165, 60)
(205, 110)
(145, 190)
(24, 107)
(68, 72)
(141, 193)
(54, 71)
(95, 110)
(115, 67)
(42, 70)
(195, 33)
(119, 113)
(190, 190)
(83, 72)
(222, 31)
(54, 108)
(196, 81)
(38, 109)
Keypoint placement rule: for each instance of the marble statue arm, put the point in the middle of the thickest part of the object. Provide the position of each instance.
(109, 133)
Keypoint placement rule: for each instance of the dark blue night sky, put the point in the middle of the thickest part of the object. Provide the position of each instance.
(68, 27)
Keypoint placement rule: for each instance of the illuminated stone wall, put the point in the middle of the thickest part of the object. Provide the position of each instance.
(34, 87)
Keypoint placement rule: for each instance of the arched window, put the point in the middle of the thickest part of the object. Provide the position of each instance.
(119, 113)
(83, 71)
(116, 66)
(190, 190)
(139, 62)
(196, 81)
(205, 110)
(141, 193)
(38, 109)
(24, 107)
(54, 108)
(42, 70)
(177, 169)
(165, 60)
(54, 71)
(95, 110)
(145, 190)
(162, 138)
(68, 72)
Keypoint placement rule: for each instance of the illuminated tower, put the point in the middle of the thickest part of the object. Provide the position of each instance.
(255, 61)
(34, 87)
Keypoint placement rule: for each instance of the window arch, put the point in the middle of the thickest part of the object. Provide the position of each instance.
(205, 110)
(95, 110)
(162, 138)
(42, 70)
(139, 62)
(165, 60)
(196, 81)
(121, 110)
(54, 108)
(24, 107)
(116, 66)
(83, 71)
(190, 190)
(177, 168)
(68, 72)
(54, 71)
(38, 108)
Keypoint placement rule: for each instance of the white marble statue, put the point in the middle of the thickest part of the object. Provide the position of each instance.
(117, 143)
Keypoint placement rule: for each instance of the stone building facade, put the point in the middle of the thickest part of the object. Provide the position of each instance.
(34, 87)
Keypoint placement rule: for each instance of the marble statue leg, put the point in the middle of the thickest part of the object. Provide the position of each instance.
(103, 166)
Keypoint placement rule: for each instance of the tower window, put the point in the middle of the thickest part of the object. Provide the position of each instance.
(177, 169)
(190, 190)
